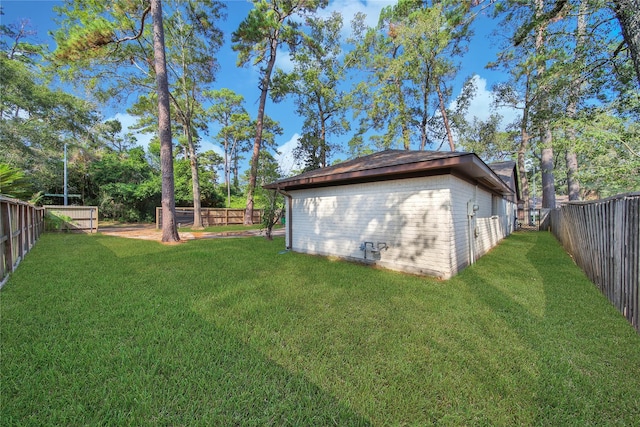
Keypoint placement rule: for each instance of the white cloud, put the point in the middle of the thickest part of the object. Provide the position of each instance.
(285, 157)
(283, 61)
(349, 9)
(481, 106)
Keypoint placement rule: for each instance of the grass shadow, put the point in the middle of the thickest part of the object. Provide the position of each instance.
(83, 348)
(579, 346)
(101, 330)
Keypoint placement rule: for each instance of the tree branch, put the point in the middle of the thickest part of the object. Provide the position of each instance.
(136, 36)
(546, 17)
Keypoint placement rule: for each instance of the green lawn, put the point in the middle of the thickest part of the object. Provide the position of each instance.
(99, 330)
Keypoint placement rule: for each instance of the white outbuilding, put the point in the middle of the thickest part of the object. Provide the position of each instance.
(422, 212)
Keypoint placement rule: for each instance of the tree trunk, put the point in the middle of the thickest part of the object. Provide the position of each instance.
(406, 141)
(628, 14)
(323, 135)
(425, 117)
(522, 171)
(575, 91)
(524, 146)
(236, 179)
(443, 111)
(233, 167)
(573, 185)
(169, 228)
(546, 137)
(253, 175)
(195, 181)
(548, 180)
(227, 170)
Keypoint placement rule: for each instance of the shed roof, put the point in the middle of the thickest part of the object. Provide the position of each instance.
(397, 164)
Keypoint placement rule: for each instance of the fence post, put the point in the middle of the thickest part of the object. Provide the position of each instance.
(8, 234)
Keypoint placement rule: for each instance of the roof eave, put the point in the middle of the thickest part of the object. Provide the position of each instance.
(387, 172)
(467, 164)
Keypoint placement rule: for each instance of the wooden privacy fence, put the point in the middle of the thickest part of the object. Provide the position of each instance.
(72, 218)
(21, 224)
(210, 216)
(603, 237)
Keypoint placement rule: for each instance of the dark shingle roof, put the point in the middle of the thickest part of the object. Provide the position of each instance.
(396, 164)
(508, 173)
(381, 160)
(504, 170)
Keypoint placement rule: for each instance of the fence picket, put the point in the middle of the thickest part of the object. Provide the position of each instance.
(619, 264)
(74, 218)
(633, 272)
(20, 227)
(211, 216)
(603, 237)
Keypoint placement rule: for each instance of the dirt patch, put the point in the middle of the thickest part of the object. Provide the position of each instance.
(150, 232)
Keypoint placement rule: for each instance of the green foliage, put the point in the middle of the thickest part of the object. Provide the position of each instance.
(86, 42)
(36, 120)
(127, 188)
(102, 330)
(209, 196)
(270, 201)
(110, 45)
(13, 183)
(562, 72)
(15, 44)
(105, 47)
(111, 133)
(410, 58)
(238, 198)
(55, 221)
(236, 131)
(485, 138)
(268, 172)
(273, 211)
(315, 83)
(608, 148)
(270, 24)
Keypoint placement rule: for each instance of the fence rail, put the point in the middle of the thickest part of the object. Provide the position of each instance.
(603, 237)
(21, 224)
(210, 216)
(73, 218)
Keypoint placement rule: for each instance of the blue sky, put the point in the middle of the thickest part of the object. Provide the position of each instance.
(244, 80)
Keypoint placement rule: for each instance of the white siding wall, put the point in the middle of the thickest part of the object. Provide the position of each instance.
(487, 229)
(462, 192)
(488, 225)
(412, 216)
(422, 220)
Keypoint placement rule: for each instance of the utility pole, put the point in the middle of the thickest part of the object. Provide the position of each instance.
(66, 195)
